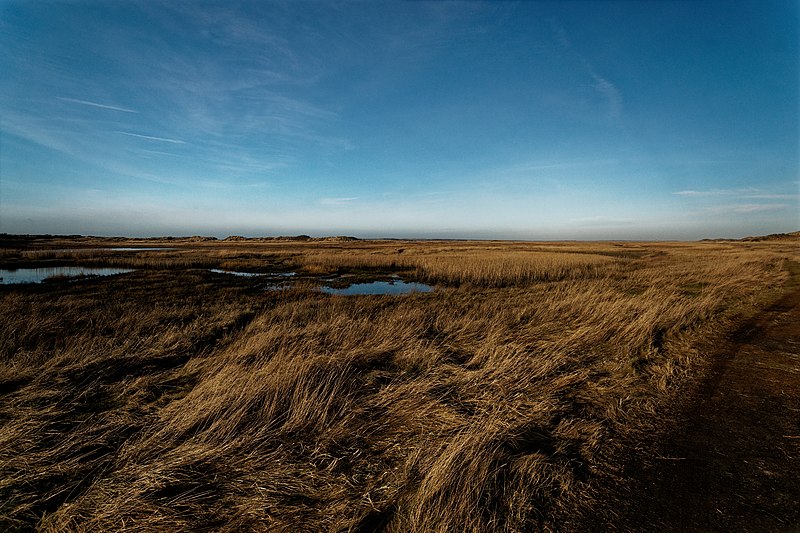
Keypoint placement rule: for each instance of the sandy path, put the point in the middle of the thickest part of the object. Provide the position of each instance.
(734, 465)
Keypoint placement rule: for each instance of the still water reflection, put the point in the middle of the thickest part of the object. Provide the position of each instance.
(37, 275)
(380, 287)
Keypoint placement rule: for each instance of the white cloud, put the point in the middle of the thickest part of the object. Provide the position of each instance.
(95, 104)
(773, 196)
(604, 87)
(610, 93)
(742, 209)
(151, 138)
(557, 165)
(702, 193)
(749, 193)
(338, 201)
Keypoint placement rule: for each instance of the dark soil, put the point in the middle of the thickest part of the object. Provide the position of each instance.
(733, 461)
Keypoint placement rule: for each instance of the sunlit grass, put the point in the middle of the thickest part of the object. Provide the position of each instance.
(172, 401)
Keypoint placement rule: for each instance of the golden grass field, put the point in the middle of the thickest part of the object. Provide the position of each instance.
(176, 399)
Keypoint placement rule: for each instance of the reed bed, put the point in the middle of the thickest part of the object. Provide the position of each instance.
(171, 259)
(499, 402)
(484, 268)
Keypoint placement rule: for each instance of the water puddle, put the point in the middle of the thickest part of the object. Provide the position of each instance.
(273, 287)
(380, 287)
(252, 274)
(37, 275)
(128, 249)
(232, 273)
(89, 251)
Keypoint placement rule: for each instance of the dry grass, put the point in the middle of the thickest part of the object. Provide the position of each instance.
(171, 400)
(479, 267)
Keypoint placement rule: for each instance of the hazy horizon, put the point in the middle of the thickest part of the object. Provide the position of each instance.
(532, 121)
(401, 236)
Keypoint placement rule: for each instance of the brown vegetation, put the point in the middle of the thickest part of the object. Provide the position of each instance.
(172, 398)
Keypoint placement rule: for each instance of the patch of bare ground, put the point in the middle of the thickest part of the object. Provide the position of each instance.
(732, 461)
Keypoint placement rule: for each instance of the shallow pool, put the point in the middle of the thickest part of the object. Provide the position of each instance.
(380, 287)
(232, 273)
(132, 249)
(252, 274)
(37, 275)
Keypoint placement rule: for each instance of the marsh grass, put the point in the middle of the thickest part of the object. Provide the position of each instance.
(177, 401)
(483, 268)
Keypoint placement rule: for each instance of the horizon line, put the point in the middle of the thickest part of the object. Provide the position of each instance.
(305, 237)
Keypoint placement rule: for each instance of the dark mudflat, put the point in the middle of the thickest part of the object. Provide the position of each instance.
(733, 462)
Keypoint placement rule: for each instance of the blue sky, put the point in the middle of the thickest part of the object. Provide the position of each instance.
(534, 120)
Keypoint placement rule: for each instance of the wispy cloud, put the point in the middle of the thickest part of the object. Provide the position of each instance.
(750, 193)
(560, 34)
(742, 209)
(95, 104)
(610, 93)
(565, 164)
(39, 131)
(605, 88)
(159, 152)
(338, 201)
(773, 196)
(716, 192)
(151, 138)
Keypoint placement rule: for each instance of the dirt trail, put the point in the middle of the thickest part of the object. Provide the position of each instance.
(734, 463)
